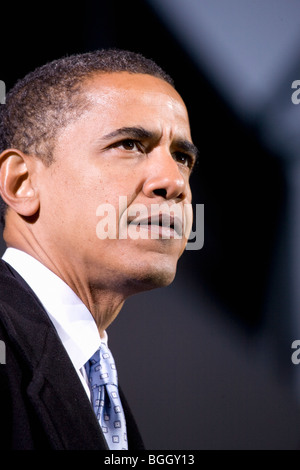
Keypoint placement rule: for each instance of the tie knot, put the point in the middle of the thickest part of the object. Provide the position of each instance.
(101, 368)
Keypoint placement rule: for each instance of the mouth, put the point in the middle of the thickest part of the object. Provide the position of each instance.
(158, 226)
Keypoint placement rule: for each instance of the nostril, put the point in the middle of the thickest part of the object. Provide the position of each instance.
(160, 192)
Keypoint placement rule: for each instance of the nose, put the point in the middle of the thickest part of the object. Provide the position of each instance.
(165, 179)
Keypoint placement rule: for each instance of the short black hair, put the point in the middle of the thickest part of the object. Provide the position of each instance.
(46, 99)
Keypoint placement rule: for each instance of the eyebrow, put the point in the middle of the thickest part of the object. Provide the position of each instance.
(142, 133)
(136, 132)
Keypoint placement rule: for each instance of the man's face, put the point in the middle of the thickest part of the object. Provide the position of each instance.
(133, 142)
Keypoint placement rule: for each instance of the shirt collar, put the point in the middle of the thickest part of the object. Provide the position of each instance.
(73, 321)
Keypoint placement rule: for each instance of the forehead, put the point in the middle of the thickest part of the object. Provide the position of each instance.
(130, 96)
(116, 100)
(108, 83)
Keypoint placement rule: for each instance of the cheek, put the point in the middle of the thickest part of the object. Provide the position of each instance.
(117, 188)
(76, 196)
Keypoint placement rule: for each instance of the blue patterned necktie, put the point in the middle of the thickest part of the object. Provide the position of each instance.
(103, 380)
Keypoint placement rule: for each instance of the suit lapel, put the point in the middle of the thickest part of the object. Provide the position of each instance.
(135, 441)
(61, 403)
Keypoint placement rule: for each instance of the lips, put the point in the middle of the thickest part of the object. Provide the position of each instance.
(162, 225)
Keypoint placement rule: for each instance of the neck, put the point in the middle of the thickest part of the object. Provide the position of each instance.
(102, 298)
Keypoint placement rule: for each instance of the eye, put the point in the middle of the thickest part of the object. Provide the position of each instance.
(184, 158)
(129, 144)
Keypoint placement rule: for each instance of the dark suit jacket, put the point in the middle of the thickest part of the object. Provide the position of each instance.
(42, 403)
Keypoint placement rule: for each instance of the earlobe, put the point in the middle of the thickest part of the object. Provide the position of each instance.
(16, 183)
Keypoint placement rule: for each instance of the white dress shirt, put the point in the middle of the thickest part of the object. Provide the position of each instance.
(70, 317)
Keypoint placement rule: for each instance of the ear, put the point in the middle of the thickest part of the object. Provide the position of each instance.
(16, 189)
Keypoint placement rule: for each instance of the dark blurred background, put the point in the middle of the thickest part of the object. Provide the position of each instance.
(206, 363)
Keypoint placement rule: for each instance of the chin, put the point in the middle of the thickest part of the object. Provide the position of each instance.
(153, 275)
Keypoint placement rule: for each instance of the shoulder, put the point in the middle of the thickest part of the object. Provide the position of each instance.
(14, 291)
(23, 320)
(10, 279)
